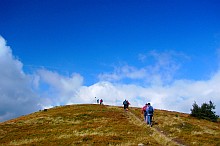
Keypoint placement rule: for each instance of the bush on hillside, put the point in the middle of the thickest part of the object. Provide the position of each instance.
(204, 112)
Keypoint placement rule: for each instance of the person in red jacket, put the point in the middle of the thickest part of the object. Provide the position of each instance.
(143, 111)
(101, 101)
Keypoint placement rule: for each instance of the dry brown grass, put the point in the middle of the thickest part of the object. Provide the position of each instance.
(106, 125)
(74, 125)
(184, 129)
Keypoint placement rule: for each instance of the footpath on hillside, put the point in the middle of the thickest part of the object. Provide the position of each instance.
(157, 135)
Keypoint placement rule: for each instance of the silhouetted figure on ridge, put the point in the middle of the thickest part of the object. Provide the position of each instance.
(101, 102)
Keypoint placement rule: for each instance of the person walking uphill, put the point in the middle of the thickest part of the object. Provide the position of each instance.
(126, 103)
(150, 112)
(143, 111)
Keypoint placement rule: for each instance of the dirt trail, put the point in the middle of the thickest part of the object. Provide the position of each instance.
(156, 134)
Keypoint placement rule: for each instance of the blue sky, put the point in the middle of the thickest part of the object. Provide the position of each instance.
(144, 50)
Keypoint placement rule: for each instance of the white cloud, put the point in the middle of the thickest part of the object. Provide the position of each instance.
(21, 93)
(160, 68)
(57, 89)
(16, 96)
(61, 82)
(112, 94)
(123, 72)
(178, 96)
(162, 89)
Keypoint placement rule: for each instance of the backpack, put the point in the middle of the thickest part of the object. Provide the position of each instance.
(150, 110)
(144, 108)
(125, 102)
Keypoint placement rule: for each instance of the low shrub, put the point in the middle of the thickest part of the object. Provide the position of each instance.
(204, 112)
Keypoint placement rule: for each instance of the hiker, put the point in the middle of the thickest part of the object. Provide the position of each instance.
(101, 102)
(150, 112)
(97, 101)
(126, 104)
(143, 111)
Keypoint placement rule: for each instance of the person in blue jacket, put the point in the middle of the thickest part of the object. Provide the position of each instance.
(150, 113)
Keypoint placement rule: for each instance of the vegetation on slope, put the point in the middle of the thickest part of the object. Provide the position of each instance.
(205, 111)
(106, 125)
(184, 129)
(74, 125)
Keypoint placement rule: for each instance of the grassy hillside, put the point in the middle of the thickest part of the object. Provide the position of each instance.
(106, 125)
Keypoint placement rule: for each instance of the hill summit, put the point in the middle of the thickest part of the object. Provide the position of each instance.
(91, 124)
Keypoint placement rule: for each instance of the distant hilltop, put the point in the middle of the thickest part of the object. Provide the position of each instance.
(94, 124)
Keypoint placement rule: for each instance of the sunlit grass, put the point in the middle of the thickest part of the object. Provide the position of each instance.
(106, 125)
(26, 141)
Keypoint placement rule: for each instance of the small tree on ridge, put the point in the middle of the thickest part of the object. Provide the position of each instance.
(204, 112)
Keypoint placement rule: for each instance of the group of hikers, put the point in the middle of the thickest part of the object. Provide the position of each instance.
(147, 111)
(99, 101)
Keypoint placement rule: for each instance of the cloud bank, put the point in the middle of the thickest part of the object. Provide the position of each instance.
(16, 96)
(22, 93)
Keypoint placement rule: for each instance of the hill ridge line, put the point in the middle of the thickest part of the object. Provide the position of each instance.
(89, 124)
